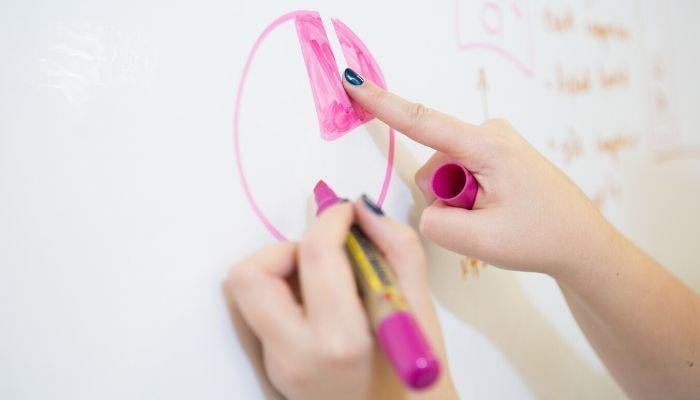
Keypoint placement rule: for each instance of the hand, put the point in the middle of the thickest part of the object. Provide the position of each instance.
(528, 215)
(318, 345)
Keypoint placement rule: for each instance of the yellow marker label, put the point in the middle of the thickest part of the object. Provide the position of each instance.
(373, 273)
(363, 263)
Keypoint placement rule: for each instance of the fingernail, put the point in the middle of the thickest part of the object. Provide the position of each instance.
(353, 77)
(372, 205)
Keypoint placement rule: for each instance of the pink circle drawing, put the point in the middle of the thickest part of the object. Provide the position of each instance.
(337, 113)
(492, 18)
(500, 27)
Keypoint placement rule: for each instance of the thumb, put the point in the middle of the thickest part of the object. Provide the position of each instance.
(432, 128)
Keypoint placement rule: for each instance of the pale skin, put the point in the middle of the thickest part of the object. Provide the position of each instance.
(642, 321)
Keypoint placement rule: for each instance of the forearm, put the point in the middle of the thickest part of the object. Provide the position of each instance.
(643, 322)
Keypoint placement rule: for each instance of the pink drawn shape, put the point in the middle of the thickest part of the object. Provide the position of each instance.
(371, 68)
(492, 18)
(336, 114)
(525, 67)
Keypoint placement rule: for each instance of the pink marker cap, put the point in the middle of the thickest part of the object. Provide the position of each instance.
(454, 185)
(404, 344)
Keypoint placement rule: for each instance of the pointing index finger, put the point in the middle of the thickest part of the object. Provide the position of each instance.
(432, 128)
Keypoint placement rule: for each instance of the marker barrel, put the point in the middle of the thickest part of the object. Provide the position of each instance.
(405, 346)
(396, 329)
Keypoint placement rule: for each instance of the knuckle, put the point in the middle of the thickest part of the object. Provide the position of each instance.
(416, 116)
(293, 374)
(240, 276)
(498, 124)
(501, 130)
(311, 251)
(346, 351)
(502, 137)
(505, 146)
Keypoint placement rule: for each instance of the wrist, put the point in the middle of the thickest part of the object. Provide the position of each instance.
(602, 251)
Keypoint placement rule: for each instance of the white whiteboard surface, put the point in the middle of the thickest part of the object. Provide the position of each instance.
(121, 208)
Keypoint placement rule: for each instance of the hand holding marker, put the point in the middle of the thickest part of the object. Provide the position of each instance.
(300, 299)
(396, 329)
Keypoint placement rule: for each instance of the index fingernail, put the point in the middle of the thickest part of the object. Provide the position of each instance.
(353, 77)
(372, 205)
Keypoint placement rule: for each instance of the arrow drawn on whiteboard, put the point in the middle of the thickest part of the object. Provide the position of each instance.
(482, 86)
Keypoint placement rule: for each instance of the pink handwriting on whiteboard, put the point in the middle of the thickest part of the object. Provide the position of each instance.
(336, 112)
(499, 26)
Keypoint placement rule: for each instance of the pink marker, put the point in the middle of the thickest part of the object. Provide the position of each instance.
(396, 329)
(454, 185)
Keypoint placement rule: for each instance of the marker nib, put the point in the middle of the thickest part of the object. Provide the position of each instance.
(324, 196)
(321, 186)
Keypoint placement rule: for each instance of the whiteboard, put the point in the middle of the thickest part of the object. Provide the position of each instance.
(122, 205)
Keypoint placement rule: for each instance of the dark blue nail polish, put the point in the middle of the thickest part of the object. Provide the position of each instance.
(353, 77)
(372, 205)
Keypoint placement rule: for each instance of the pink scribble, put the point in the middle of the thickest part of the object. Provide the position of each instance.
(337, 114)
(496, 32)
(359, 58)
